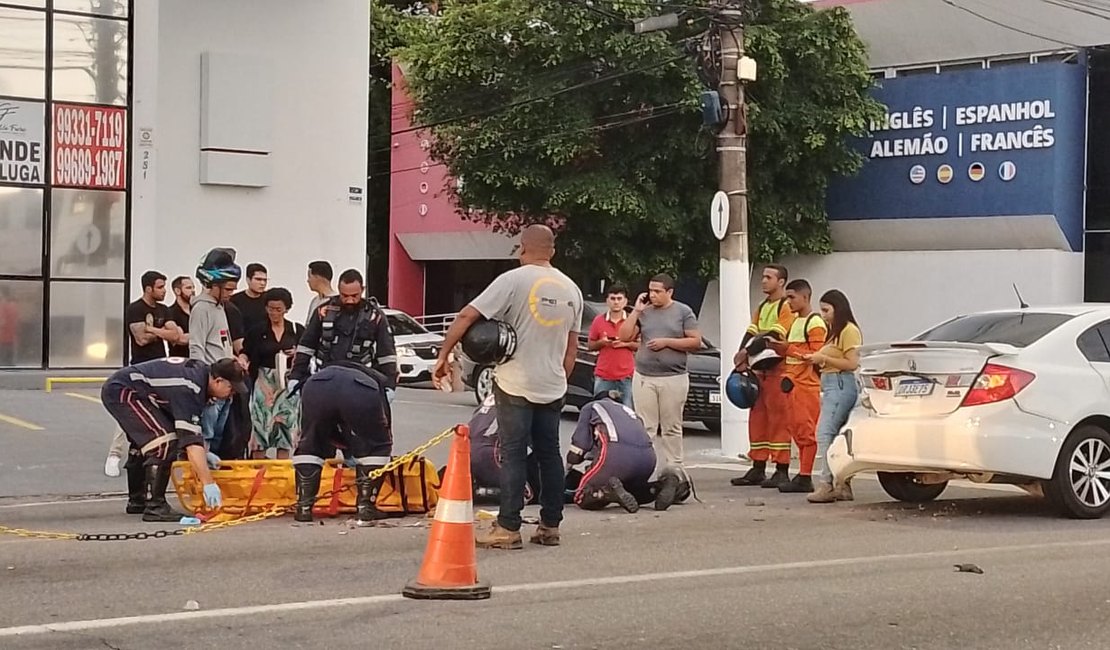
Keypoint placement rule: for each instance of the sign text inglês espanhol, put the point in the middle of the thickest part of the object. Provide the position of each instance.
(90, 146)
(21, 141)
(983, 139)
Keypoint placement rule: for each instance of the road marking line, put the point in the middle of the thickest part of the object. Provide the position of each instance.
(228, 612)
(87, 398)
(36, 504)
(19, 423)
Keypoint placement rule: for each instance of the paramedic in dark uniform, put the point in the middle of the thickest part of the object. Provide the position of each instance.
(345, 404)
(623, 458)
(485, 457)
(158, 404)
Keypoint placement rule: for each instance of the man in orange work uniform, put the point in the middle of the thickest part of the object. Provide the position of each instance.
(766, 437)
(800, 386)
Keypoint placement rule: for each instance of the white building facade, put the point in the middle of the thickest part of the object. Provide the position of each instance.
(137, 134)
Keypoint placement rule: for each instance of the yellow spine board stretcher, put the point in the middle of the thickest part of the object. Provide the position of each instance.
(249, 487)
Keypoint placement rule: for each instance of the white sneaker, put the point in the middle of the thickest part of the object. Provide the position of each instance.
(111, 465)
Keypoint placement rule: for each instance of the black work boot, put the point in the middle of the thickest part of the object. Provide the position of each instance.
(366, 511)
(157, 475)
(801, 483)
(308, 485)
(755, 475)
(136, 485)
(781, 476)
(620, 496)
(668, 490)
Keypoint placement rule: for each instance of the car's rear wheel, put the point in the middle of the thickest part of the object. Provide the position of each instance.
(905, 486)
(1080, 485)
(483, 382)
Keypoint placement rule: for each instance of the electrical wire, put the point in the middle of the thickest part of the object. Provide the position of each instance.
(1003, 25)
(539, 98)
(596, 128)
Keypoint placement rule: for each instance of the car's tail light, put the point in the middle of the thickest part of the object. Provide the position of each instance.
(997, 383)
(876, 382)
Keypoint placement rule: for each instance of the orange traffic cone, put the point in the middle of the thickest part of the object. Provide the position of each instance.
(450, 569)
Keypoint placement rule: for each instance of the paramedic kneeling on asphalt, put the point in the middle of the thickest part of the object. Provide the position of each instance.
(158, 404)
(346, 403)
(544, 307)
(623, 459)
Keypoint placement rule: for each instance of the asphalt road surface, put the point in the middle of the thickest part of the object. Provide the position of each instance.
(747, 568)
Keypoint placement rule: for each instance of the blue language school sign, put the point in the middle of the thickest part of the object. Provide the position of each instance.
(1004, 141)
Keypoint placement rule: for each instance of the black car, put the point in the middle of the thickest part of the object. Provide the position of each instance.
(702, 405)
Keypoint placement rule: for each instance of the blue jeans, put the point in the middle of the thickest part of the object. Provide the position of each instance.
(212, 423)
(521, 423)
(623, 386)
(839, 392)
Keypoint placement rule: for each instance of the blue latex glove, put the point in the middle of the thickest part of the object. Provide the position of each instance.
(213, 460)
(389, 394)
(350, 461)
(212, 497)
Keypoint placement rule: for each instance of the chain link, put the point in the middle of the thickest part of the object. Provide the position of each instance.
(269, 513)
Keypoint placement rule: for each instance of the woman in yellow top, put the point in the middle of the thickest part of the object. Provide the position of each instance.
(838, 362)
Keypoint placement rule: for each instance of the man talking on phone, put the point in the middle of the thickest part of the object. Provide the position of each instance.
(668, 332)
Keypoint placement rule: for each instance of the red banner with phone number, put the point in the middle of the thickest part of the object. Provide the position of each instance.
(89, 145)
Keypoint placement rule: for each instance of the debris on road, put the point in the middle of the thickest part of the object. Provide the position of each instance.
(755, 503)
(192, 606)
(968, 568)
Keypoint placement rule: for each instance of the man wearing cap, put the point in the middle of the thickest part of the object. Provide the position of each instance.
(159, 404)
(623, 459)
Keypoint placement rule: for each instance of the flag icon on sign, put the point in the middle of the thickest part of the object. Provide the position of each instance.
(944, 174)
(1007, 171)
(976, 171)
(917, 174)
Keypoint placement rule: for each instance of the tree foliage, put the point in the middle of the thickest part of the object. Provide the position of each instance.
(552, 110)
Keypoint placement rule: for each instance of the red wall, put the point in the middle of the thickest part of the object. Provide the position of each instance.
(416, 180)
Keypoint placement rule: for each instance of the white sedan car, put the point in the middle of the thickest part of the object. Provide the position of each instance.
(1020, 397)
(417, 348)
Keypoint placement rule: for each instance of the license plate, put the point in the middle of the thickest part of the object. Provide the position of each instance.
(914, 388)
(714, 398)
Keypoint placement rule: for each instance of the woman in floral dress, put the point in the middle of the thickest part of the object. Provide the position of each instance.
(275, 415)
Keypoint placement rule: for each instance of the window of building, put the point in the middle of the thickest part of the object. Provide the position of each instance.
(23, 56)
(64, 191)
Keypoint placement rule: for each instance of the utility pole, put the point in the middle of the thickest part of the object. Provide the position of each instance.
(734, 280)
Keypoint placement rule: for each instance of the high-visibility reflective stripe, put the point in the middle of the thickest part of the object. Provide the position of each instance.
(160, 440)
(391, 359)
(186, 426)
(308, 460)
(576, 450)
(606, 420)
(165, 382)
(304, 349)
(372, 460)
(450, 511)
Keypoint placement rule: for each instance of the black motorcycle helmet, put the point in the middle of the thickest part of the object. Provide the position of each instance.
(489, 342)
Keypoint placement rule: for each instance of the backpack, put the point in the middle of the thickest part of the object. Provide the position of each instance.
(412, 489)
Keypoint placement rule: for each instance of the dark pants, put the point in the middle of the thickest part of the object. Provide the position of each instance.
(521, 423)
(343, 408)
(149, 429)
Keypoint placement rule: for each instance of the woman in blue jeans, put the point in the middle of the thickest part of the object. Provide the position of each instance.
(838, 362)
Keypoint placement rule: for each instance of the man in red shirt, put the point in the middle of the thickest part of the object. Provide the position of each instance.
(616, 359)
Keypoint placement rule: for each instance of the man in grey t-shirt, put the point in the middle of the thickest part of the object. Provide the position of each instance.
(668, 333)
(545, 308)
